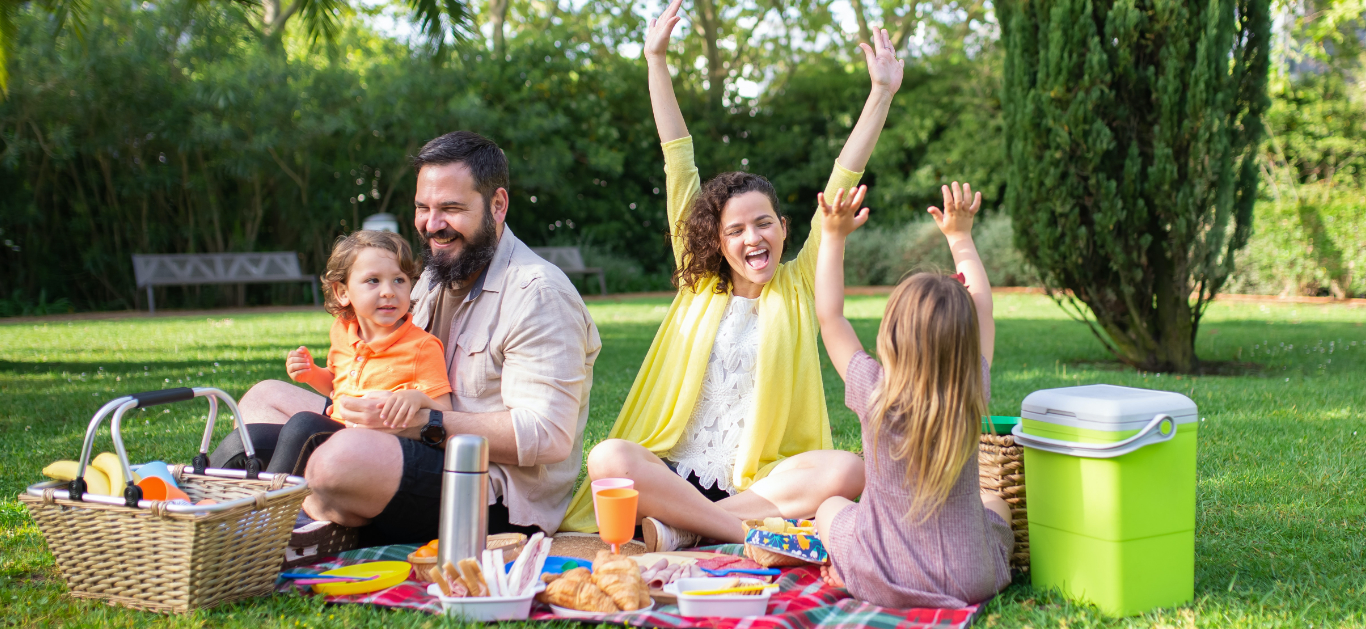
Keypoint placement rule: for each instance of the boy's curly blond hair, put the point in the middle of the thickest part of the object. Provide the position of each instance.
(344, 256)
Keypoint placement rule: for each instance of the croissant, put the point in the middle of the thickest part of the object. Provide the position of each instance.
(620, 579)
(576, 591)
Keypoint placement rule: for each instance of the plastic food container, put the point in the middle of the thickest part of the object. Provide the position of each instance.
(1111, 495)
(486, 608)
(719, 606)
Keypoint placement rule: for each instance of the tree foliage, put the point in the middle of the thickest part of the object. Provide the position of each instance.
(1133, 129)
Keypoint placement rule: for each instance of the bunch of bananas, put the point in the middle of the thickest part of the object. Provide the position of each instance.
(103, 476)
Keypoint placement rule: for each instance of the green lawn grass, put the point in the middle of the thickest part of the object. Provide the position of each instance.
(1281, 524)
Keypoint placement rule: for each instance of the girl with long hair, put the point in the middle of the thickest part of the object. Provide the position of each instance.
(923, 534)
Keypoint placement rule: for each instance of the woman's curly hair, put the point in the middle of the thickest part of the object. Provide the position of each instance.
(344, 256)
(701, 230)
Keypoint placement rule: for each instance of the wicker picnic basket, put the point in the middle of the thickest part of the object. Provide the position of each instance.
(1000, 470)
(166, 556)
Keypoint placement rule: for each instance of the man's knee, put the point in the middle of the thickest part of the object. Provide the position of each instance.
(346, 455)
(613, 458)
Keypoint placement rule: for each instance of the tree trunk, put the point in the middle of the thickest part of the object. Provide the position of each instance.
(709, 22)
(865, 35)
(498, 12)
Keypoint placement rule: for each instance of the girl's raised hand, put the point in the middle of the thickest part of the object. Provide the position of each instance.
(884, 68)
(657, 37)
(842, 217)
(960, 206)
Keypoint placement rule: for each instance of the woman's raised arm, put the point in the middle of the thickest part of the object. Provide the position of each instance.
(668, 116)
(885, 70)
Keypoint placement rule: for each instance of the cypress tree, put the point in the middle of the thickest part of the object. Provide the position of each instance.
(1132, 129)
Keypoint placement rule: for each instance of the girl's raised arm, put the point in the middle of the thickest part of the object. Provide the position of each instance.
(668, 116)
(837, 221)
(955, 221)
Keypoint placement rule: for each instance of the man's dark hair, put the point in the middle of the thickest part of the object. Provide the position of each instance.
(488, 166)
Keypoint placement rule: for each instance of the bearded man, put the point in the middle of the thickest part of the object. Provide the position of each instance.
(520, 347)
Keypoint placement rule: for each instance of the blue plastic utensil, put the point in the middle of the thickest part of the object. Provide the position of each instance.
(309, 575)
(767, 572)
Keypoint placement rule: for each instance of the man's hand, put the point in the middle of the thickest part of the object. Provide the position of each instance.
(299, 365)
(883, 67)
(841, 218)
(657, 37)
(404, 409)
(960, 206)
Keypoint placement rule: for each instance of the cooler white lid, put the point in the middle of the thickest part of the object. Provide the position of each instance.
(1106, 407)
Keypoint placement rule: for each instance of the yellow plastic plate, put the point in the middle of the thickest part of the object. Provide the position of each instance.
(389, 574)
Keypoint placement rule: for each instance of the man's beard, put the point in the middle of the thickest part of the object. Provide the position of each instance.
(459, 268)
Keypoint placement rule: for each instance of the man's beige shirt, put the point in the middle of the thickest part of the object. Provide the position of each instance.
(521, 340)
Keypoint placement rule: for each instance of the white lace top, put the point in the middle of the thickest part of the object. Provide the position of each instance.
(712, 438)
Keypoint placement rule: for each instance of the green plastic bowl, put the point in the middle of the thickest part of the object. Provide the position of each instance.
(998, 424)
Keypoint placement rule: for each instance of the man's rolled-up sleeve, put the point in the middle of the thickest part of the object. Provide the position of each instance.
(544, 372)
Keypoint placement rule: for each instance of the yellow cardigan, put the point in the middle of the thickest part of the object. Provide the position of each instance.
(789, 415)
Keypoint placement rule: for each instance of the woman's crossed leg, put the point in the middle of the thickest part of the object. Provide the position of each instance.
(794, 489)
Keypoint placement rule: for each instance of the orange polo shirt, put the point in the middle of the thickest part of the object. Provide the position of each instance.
(407, 358)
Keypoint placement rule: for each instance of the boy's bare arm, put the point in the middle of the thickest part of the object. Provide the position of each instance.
(404, 409)
(300, 367)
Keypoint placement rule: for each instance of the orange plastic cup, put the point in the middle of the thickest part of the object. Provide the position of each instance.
(156, 488)
(617, 516)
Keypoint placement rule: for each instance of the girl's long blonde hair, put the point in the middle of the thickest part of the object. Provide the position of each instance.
(932, 398)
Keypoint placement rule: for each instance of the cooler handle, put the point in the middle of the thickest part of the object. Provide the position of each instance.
(1152, 433)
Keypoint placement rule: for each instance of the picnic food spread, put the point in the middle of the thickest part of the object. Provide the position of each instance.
(614, 585)
(470, 578)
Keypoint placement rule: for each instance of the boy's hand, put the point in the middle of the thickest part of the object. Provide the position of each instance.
(841, 218)
(960, 206)
(404, 409)
(299, 365)
(883, 67)
(657, 37)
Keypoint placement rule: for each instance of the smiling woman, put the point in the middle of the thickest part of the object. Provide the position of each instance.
(727, 421)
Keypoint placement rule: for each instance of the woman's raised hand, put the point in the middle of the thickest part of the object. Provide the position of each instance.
(883, 67)
(960, 206)
(657, 37)
(843, 216)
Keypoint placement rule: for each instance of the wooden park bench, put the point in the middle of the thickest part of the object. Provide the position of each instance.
(189, 269)
(570, 260)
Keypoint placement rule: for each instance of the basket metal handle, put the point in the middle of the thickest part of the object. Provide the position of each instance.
(1150, 434)
(132, 493)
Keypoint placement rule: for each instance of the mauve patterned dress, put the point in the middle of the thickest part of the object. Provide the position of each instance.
(958, 557)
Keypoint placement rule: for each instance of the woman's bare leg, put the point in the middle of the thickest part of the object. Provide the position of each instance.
(798, 486)
(664, 495)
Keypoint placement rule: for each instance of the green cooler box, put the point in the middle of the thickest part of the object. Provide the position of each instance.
(1111, 495)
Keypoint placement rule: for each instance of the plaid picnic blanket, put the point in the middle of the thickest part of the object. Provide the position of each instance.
(803, 601)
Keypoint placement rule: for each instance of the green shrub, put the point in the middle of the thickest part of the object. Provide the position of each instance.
(880, 255)
(1310, 244)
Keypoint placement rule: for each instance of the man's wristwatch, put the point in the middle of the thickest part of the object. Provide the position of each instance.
(434, 433)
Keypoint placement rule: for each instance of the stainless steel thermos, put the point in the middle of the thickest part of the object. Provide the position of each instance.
(464, 499)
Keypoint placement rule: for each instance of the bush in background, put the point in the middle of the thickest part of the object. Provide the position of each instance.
(879, 255)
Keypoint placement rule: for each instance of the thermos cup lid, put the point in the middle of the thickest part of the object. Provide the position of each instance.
(467, 453)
